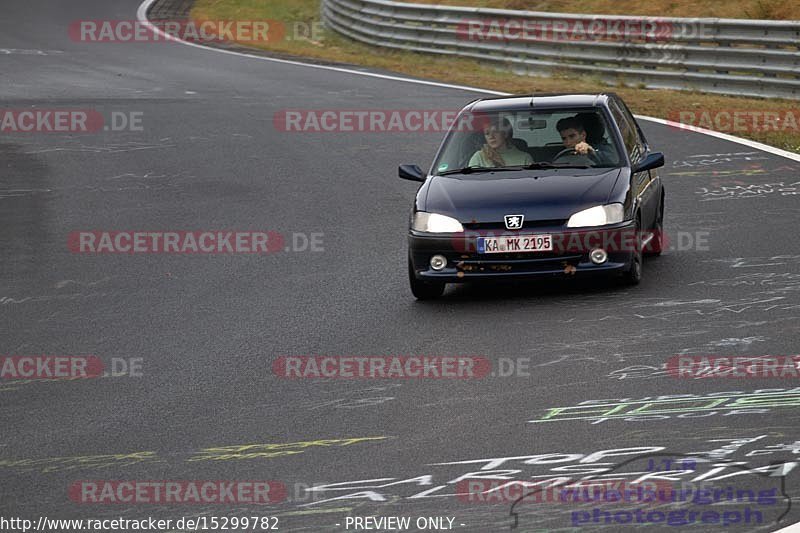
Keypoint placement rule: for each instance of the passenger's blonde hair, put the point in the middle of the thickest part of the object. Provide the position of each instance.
(492, 154)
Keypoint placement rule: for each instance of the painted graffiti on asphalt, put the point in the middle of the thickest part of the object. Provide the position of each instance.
(744, 191)
(443, 479)
(707, 160)
(680, 406)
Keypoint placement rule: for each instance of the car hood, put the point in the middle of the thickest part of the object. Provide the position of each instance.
(539, 195)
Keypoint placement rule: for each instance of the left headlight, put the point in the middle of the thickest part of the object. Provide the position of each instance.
(435, 223)
(600, 215)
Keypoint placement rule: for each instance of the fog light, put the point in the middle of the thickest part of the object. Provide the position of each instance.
(598, 256)
(438, 262)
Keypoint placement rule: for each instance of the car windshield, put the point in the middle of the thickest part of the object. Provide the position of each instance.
(515, 140)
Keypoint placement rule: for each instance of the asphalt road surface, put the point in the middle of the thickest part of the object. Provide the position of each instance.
(194, 337)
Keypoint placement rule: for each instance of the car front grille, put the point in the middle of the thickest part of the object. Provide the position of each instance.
(528, 225)
(516, 262)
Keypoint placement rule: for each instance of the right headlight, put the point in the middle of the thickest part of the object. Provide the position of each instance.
(435, 223)
(600, 215)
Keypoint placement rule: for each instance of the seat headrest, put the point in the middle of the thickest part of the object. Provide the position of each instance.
(593, 126)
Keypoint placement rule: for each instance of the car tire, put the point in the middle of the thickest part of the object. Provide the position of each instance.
(634, 274)
(423, 290)
(656, 244)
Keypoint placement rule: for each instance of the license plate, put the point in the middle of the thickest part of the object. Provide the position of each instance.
(515, 244)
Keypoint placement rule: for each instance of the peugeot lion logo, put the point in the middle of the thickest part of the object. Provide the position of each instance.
(514, 221)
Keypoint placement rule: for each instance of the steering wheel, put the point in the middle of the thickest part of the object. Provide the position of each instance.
(591, 156)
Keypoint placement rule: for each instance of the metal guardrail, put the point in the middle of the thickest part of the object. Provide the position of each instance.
(727, 56)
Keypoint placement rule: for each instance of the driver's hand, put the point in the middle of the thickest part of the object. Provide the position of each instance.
(583, 148)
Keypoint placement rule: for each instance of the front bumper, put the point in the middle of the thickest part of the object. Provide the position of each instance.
(570, 255)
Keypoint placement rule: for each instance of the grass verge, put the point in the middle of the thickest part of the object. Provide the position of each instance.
(327, 45)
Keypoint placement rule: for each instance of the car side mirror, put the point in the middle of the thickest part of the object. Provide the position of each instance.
(410, 172)
(653, 160)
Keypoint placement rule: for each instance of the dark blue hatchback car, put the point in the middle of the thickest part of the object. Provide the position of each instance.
(530, 186)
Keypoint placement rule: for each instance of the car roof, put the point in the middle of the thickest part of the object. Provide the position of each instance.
(540, 101)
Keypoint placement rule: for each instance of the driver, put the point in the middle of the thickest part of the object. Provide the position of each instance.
(499, 150)
(573, 134)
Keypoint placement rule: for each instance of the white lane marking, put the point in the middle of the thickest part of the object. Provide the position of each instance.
(27, 52)
(141, 14)
(724, 136)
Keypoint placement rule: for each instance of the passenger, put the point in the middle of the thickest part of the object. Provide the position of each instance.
(499, 151)
(573, 134)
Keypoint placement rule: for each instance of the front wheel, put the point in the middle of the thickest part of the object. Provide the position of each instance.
(658, 241)
(423, 290)
(634, 274)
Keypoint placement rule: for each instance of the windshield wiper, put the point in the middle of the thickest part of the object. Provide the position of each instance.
(465, 170)
(470, 170)
(533, 166)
